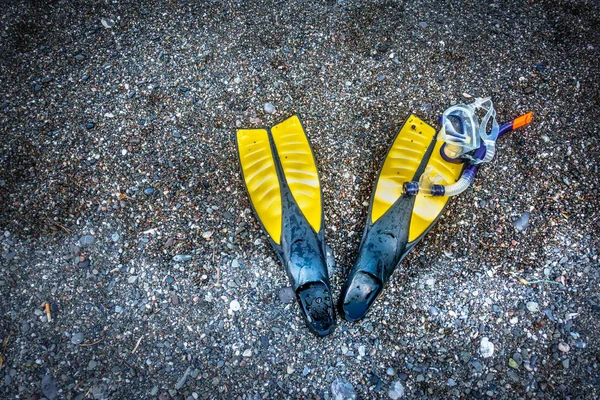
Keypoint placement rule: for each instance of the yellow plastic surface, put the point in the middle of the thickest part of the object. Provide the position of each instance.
(401, 164)
(260, 175)
(299, 168)
(427, 208)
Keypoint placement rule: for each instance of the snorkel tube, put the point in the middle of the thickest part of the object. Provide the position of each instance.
(465, 140)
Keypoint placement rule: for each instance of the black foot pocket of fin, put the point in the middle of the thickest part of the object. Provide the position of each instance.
(359, 295)
(317, 306)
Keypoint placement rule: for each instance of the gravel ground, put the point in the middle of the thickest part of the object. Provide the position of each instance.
(122, 204)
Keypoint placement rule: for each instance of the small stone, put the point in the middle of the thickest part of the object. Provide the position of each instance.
(513, 375)
(269, 108)
(77, 338)
(132, 279)
(182, 257)
(528, 90)
(25, 326)
(465, 356)
(522, 223)
(89, 125)
(86, 240)
(420, 378)
(174, 299)
(235, 305)
(564, 347)
(305, 371)
(49, 388)
(181, 381)
(149, 191)
(362, 350)
(290, 370)
(423, 24)
(247, 353)
(98, 391)
(396, 391)
(434, 311)
(513, 364)
(518, 358)
(451, 382)
(532, 306)
(115, 237)
(566, 363)
(287, 295)
(91, 365)
(154, 391)
(342, 390)
(486, 348)
(119, 309)
(390, 371)
(80, 57)
(107, 22)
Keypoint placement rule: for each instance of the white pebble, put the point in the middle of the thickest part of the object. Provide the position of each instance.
(235, 305)
(486, 348)
(564, 347)
(533, 306)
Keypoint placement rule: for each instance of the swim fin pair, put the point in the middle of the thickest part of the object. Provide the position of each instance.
(283, 184)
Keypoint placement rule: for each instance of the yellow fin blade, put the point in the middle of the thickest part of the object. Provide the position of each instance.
(299, 168)
(260, 177)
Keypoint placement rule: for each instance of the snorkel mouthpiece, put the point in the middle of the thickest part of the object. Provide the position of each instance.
(466, 139)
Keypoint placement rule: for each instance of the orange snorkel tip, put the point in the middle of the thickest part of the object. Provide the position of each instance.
(522, 120)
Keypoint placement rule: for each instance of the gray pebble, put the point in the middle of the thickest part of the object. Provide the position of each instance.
(181, 381)
(86, 240)
(287, 295)
(77, 338)
(522, 222)
(269, 108)
(49, 387)
(396, 390)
